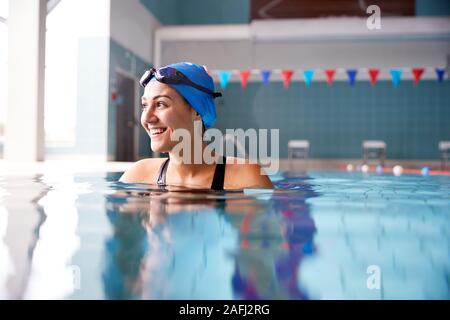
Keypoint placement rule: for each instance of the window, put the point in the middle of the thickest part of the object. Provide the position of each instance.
(3, 65)
(61, 56)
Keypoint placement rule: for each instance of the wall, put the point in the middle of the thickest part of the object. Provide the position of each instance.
(432, 8)
(411, 120)
(132, 27)
(336, 119)
(309, 43)
(165, 11)
(182, 12)
(131, 52)
(92, 112)
(114, 34)
(124, 60)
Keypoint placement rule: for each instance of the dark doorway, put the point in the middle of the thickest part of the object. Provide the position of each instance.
(125, 118)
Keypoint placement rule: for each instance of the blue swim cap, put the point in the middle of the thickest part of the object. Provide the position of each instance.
(202, 102)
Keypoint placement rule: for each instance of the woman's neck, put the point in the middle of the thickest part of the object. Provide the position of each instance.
(191, 164)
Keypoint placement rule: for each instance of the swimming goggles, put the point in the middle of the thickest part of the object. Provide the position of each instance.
(169, 75)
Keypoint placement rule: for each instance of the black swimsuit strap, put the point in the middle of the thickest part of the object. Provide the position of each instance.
(219, 175)
(162, 173)
(218, 179)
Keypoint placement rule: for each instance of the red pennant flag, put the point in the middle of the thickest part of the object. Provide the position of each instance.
(329, 73)
(287, 75)
(417, 73)
(373, 74)
(244, 75)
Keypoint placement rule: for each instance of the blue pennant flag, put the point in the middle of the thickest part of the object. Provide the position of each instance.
(440, 74)
(396, 75)
(351, 73)
(224, 77)
(308, 75)
(265, 74)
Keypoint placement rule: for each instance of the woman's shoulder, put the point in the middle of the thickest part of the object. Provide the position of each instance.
(242, 173)
(143, 170)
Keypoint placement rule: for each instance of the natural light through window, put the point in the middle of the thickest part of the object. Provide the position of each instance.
(3, 65)
(67, 24)
(61, 74)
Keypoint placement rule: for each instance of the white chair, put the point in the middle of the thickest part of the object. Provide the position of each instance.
(444, 148)
(298, 149)
(374, 148)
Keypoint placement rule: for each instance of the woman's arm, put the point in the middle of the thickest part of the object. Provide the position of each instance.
(240, 176)
(141, 171)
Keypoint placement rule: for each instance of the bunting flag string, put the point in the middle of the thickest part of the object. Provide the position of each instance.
(287, 75)
(440, 74)
(373, 75)
(417, 74)
(265, 74)
(224, 77)
(396, 75)
(351, 73)
(244, 75)
(308, 75)
(329, 75)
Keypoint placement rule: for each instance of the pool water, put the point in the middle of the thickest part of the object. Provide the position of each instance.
(319, 235)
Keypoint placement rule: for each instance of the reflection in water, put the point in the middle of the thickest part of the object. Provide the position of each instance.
(269, 260)
(134, 242)
(124, 254)
(6, 265)
(20, 232)
(51, 274)
(39, 237)
(186, 245)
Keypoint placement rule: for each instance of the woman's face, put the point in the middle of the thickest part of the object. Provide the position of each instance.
(163, 111)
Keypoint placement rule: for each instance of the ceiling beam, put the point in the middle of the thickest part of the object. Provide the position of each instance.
(51, 4)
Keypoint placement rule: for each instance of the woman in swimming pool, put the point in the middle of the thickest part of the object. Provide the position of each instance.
(175, 97)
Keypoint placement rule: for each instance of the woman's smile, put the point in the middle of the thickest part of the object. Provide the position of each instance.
(157, 132)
